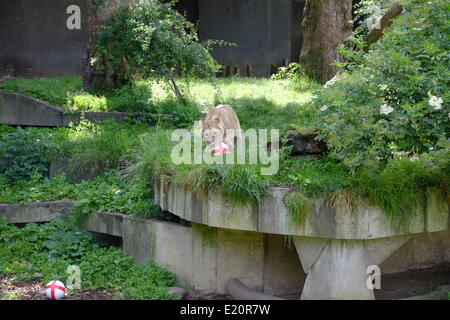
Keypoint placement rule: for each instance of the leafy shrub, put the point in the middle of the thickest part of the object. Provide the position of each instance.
(44, 252)
(155, 40)
(22, 153)
(131, 98)
(367, 13)
(86, 102)
(110, 193)
(292, 71)
(35, 188)
(172, 113)
(395, 98)
(105, 193)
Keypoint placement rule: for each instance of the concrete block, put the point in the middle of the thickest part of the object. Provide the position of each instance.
(138, 238)
(105, 222)
(173, 247)
(9, 113)
(419, 252)
(35, 212)
(322, 220)
(339, 271)
(33, 112)
(378, 250)
(204, 275)
(274, 217)
(225, 214)
(366, 221)
(309, 249)
(283, 272)
(437, 210)
(240, 255)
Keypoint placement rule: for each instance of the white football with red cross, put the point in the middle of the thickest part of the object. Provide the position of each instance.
(220, 149)
(55, 290)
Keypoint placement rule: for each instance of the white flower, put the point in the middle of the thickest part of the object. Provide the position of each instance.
(385, 109)
(436, 102)
(323, 108)
(382, 86)
(330, 82)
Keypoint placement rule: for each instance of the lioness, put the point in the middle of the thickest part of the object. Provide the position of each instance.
(221, 124)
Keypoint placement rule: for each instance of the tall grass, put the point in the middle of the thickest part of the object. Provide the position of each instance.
(96, 146)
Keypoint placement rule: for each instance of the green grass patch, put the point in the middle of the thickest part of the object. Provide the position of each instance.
(260, 103)
(52, 90)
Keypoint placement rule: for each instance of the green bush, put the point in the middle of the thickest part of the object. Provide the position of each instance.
(154, 39)
(108, 192)
(35, 188)
(113, 194)
(22, 153)
(131, 98)
(292, 71)
(86, 102)
(44, 252)
(394, 100)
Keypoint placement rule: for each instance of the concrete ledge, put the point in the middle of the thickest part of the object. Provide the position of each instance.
(204, 258)
(35, 212)
(22, 110)
(105, 222)
(323, 221)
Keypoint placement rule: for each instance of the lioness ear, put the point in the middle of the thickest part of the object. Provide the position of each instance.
(217, 120)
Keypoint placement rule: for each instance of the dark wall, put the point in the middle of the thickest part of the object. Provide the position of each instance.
(35, 41)
(260, 28)
(297, 32)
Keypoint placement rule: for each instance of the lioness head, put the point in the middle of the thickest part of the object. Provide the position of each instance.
(213, 130)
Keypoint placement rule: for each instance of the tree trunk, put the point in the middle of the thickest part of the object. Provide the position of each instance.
(326, 23)
(100, 73)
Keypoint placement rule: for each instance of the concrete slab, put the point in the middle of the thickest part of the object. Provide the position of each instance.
(324, 220)
(240, 255)
(33, 112)
(8, 109)
(283, 272)
(138, 238)
(338, 268)
(23, 110)
(35, 212)
(438, 217)
(105, 222)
